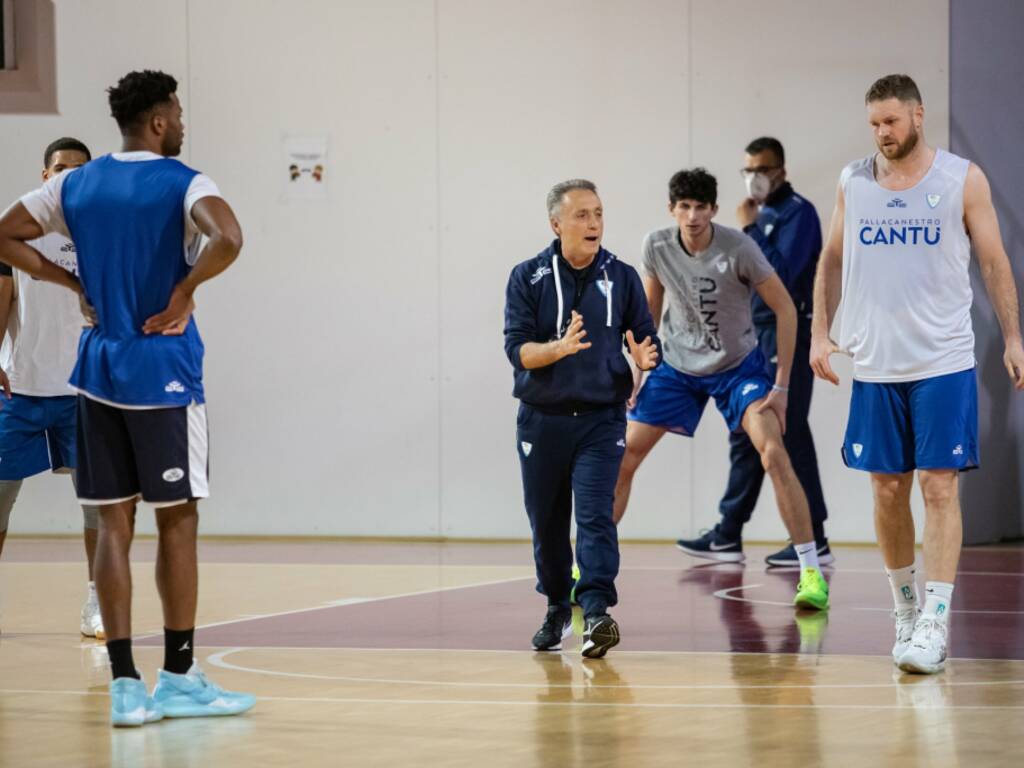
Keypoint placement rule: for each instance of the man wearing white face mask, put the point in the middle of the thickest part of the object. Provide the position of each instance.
(786, 228)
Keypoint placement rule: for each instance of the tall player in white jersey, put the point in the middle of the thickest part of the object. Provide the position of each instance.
(39, 326)
(898, 252)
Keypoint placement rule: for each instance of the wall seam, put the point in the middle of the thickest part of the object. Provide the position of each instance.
(438, 248)
(689, 163)
(188, 68)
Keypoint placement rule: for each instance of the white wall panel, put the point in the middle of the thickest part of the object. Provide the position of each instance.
(530, 94)
(321, 362)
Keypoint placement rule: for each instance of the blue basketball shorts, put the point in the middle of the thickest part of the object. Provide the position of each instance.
(36, 434)
(675, 400)
(926, 424)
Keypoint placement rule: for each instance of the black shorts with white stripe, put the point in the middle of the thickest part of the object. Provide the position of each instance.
(160, 454)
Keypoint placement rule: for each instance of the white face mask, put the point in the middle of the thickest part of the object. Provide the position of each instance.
(758, 186)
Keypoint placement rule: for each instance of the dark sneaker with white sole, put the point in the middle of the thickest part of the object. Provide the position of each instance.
(557, 625)
(712, 545)
(787, 557)
(600, 634)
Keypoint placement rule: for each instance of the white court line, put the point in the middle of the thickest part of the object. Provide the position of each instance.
(596, 704)
(726, 594)
(618, 652)
(218, 660)
(710, 567)
(343, 602)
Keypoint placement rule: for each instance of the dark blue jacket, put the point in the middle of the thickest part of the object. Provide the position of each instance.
(789, 234)
(596, 376)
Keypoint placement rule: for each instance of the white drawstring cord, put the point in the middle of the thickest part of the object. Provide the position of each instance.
(608, 299)
(561, 301)
(558, 290)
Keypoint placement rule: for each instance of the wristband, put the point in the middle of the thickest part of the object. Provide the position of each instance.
(777, 388)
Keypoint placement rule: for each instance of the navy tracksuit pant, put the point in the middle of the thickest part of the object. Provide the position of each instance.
(566, 457)
(746, 474)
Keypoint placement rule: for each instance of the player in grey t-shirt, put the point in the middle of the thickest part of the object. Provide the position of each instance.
(708, 275)
(707, 324)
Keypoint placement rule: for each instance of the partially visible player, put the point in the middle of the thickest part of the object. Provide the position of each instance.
(898, 252)
(706, 274)
(39, 325)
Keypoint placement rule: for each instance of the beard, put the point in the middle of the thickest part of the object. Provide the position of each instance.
(903, 148)
(171, 145)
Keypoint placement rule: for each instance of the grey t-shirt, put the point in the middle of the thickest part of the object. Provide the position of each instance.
(707, 325)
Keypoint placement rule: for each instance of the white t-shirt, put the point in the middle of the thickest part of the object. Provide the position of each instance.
(44, 204)
(41, 344)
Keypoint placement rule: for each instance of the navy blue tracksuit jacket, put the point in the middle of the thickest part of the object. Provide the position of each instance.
(571, 427)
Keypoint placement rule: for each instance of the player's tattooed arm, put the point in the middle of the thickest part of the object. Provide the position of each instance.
(828, 289)
(983, 227)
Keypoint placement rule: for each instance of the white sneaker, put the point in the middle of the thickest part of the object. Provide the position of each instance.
(92, 621)
(906, 618)
(927, 652)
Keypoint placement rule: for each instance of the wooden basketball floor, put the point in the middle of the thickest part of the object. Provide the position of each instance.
(368, 654)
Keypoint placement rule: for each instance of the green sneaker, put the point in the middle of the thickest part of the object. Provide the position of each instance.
(575, 581)
(812, 591)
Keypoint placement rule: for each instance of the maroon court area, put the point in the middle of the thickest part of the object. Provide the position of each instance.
(668, 602)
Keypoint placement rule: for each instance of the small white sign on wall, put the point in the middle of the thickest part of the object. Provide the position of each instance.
(305, 167)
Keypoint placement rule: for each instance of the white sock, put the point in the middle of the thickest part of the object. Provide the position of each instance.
(808, 554)
(904, 586)
(91, 593)
(937, 597)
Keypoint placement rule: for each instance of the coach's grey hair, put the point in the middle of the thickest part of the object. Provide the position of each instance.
(559, 191)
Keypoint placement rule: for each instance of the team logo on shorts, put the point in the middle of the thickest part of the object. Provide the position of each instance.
(858, 449)
(175, 386)
(933, 200)
(958, 451)
(174, 474)
(748, 388)
(527, 447)
(621, 443)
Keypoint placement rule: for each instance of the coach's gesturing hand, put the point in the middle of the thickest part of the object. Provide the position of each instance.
(572, 342)
(644, 354)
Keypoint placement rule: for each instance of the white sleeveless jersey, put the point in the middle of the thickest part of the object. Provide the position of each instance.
(906, 302)
(41, 343)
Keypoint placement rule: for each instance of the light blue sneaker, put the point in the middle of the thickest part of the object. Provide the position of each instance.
(131, 704)
(192, 695)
